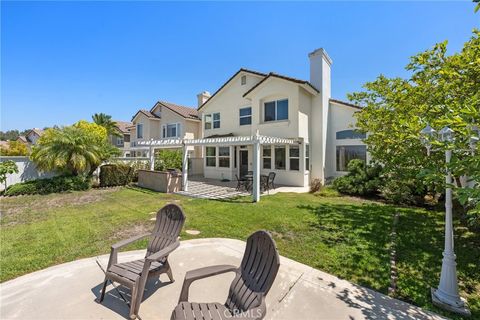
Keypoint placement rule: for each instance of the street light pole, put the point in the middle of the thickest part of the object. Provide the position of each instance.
(446, 295)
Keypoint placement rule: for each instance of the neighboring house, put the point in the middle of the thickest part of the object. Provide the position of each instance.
(122, 141)
(279, 106)
(166, 120)
(31, 137)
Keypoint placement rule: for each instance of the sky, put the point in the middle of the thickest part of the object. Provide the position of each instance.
(64, 61)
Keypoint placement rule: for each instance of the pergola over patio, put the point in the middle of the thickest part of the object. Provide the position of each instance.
(255, 141)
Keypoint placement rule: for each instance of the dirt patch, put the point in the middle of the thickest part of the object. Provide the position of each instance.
(11, 206)
(132, 230)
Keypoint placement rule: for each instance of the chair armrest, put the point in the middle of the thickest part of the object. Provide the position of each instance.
(201, 273)
(123, 243)
(164, 252)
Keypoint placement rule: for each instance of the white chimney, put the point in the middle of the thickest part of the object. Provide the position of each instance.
(202, 97)
(320, 64)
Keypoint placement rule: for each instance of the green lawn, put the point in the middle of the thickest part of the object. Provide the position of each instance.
(343, 236)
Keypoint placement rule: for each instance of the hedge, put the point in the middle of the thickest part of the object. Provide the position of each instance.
(52, 185)
(115, 175)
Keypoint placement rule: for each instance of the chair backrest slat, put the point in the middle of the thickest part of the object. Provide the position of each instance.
(167, 228)
(258, 270)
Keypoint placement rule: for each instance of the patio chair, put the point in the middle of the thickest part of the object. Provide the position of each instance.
(264, 183)
(134, 274)
(241, 182)
(246, 297)
(271, 180)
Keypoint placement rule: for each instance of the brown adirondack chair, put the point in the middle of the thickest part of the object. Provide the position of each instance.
(246, 298)
(134, 274)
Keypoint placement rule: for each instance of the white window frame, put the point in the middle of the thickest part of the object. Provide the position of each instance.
(224, 157)
(276, 110)
(275, 157)
(211, 121)
(120, 141)
(246, 116)
(165, 130)
(266, 147)
(139, 125)
(307, 157)
(207, 156)
(290, 158)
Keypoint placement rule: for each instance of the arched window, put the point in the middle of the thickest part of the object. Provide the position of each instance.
(350, 134)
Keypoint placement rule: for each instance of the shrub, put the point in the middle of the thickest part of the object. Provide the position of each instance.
(52, 185)
(361, 179)
(168, 159)
(315, 185)
(115, 175)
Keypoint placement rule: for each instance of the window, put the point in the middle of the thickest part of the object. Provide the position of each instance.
(276, 110)
(244, 80)
(294, 153)
(216, 120)
(208, 121)
(245, 116)
(267, 157)
(210, 159)
(140, 131)
(171, 130)
(224, 157)
(347, 153)
(280, 158)
(307, 157)
(212, 121)
(119, 141)
(350, 134)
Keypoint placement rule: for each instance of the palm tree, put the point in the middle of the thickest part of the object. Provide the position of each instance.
(70, 150)
(106, 121)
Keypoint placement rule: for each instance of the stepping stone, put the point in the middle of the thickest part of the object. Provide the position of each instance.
(193, 232)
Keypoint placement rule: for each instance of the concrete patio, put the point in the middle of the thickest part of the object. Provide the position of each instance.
(68, 291)
(199, 187)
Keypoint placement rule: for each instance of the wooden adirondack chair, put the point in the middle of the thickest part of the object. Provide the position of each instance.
(246, 298)
(134, 274)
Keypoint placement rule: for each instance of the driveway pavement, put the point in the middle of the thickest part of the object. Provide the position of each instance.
(68, 291)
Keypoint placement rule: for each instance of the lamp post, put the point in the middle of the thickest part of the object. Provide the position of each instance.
(446, 295)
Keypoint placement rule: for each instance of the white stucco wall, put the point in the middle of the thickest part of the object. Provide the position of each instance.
(340, 118)
(26, 171)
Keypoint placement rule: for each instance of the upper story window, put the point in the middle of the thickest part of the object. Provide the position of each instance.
(245, 116)
(139, 130)
(244, 80)
(276, 110)
(212, 121)
(171, 130)
(119, 141)
(350, 134)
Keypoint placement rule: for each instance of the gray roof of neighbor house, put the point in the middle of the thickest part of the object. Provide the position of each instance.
(23, 139)
(186, 112)
(123, 126)
(38, 131)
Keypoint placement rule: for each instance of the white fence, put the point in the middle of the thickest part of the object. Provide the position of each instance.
(26, 171)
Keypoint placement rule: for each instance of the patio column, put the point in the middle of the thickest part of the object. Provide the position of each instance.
(256, 168)
(152, 158)
(185, 169)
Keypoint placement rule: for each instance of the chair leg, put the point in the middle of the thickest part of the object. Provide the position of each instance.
(102, 296)
(134, 301)
(169, 272)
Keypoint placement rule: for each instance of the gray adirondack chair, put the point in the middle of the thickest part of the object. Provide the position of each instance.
(134, 274)
(246, 298)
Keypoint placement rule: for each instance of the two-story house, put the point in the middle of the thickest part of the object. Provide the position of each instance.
(167, 120)
(275, 105)
(31, 137)
(122, 139)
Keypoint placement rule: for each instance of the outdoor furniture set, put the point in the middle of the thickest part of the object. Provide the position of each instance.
(246, 298)
(245, 182)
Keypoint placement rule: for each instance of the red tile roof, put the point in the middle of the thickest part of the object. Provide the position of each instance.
(123, 126)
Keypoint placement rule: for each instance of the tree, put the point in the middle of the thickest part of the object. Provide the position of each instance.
(75, 150)
(6, 168)
(106, 121)
(168, 159)
(442, 90)
(15, 148)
